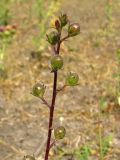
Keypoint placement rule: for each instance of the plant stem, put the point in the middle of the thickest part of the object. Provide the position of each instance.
(45, 102)
(63, 39)
(62, 88)
(51, 115)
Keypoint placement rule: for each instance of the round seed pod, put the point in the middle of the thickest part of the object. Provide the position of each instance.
(73, 29)
(72, 79)
(56, 62)
(59, 132)
(53, 37)
(38, 90)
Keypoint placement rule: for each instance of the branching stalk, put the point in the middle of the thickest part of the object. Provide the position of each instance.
(45, 102)
(54, 38)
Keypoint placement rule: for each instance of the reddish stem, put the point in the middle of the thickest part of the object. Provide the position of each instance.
(45, 102)
(62, 88)
(63, 39)
(51, 115)
(53, 143)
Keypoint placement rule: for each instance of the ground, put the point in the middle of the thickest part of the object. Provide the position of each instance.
(92, 54)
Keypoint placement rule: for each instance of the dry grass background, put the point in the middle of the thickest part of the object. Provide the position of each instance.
(23, 119)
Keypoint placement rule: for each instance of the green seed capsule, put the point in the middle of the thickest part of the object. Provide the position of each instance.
(63, 19)
(56, 62)
(53, 37)
(73, 29)
(38, 90)
(59, 132)
(72, 79)
(28, 157)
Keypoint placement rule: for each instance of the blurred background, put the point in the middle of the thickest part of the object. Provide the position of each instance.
(24, 60)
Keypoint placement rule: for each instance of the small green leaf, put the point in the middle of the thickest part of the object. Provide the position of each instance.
(106, 144)
(83, 153)
(103, 104)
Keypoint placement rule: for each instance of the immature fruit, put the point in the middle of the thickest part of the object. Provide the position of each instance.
(59, 132)
(73, 29)
(56, 62)
(72, 79)
(63, 19)
(53, 37)
(28, 157)
(38, 90)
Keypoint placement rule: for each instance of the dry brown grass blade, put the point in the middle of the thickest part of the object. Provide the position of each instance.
(13, 148)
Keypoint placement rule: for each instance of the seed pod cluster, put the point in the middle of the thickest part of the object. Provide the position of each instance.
(73, 29)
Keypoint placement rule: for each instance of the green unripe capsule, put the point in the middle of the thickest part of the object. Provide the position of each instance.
(28, 157)
(72, 79)
(73, 29)
(38, 90)
(56, 62)
(59, 132)
(63, 19)
(53, 37)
